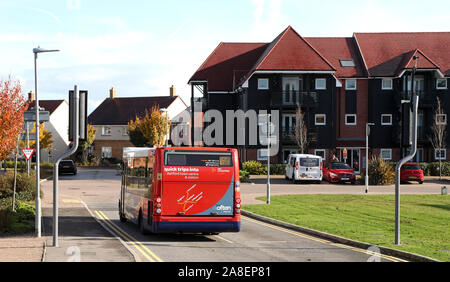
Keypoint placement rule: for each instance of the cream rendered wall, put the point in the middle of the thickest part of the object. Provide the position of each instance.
(59, 127)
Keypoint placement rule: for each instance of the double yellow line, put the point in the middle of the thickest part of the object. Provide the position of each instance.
(324, 241)
(149, 255)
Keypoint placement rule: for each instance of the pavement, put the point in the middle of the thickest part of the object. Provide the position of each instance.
(25, 248)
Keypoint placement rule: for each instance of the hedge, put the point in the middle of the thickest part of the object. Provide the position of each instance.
(258, 168)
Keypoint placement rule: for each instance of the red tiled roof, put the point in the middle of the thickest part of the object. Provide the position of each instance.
(48, 105)
(289, 51)
(423, 62)
(119, 111)
(384, 53)
(229, 62)
(336, 49)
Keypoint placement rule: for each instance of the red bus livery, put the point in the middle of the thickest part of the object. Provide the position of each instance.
(181, 190)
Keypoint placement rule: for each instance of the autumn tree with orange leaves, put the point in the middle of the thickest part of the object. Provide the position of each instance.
(12, 107)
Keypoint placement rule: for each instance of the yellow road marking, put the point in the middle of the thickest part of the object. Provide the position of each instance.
(132, 238)
(107, 222)
(71, 201)
(325, 241)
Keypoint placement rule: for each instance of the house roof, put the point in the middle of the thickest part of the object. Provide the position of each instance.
(48, 105)
(227, 64)
(336, 49)
(119, 111)
(385, 54)
(290, 51)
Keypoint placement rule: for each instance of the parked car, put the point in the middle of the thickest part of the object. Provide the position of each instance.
(67, 166)
(338, 173)
(412, 172)
(304, 167)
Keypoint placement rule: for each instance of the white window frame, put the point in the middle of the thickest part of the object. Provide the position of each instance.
(390, 86)
(441, 123)
(321, 150)
(386, 123)
(442, 158)
(350, 115)
(259, 156)
(260, 87)
(325, 84)
(324, 119)
(110, 150)
(386, 150)
(104, 130)
(347, 86)
(437, 82)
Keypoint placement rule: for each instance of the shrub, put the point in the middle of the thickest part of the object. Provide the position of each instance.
(20, 221)
(254, 168)
(380, 172)
(277, 169)
(244, 176)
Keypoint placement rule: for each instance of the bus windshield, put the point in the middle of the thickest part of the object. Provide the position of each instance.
(202, 159)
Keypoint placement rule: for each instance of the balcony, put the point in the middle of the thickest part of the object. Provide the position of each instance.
(425, 99)
(292, 98)
(288, 135)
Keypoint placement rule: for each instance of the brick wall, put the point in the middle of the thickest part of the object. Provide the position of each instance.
(116, 146)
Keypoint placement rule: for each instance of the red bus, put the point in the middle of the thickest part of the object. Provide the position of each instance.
(181, 190)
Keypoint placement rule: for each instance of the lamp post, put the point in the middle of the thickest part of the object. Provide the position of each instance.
(368, 125)
(268, 157)
(166, 139)
(36, 51)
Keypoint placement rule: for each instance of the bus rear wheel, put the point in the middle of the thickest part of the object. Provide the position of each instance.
(141, 225)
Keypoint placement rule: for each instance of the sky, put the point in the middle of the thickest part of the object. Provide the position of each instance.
(141, 48)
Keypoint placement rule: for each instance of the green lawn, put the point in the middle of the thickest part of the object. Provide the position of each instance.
(425, 219)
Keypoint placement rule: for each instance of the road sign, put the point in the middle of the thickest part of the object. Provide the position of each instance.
(31, 136)
(31, 116)
(28, 153)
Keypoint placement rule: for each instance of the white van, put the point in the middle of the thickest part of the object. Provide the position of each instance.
(304, 167)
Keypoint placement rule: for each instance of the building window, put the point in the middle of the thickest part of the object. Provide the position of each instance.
(263, 83)
(440, 154)
(441, 83)
(441, 119)
(347, 63)
(125, 131)
(321, 153)
(106, 130)
(386, 119)
(320, 119)
(321, 83)
(350, 84)
(386, 154)
(386, 84)
(350, 119)
(106, 152)
(262, 155)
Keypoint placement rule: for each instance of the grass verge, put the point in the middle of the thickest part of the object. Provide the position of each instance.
(424, 225)
(19, 221)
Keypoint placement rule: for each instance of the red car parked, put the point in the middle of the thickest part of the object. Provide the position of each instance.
(338, 172)
(411, 172)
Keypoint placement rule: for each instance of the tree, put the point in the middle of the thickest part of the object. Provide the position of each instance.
(12, 107)
(438, 132)
(91, 131)
(150, 130)
(45, 139)
(300, 130)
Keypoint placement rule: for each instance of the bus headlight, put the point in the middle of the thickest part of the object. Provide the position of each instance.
(158, 210)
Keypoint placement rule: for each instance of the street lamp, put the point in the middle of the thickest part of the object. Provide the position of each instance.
(166, 139)
(368, 125)
(36, 51)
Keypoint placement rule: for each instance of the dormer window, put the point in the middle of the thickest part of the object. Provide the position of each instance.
(347, 63)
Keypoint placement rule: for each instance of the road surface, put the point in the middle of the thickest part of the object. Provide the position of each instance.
(97, 191)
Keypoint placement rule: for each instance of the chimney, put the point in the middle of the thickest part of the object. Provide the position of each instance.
(173, 91)
(30, 96)
(112, 93)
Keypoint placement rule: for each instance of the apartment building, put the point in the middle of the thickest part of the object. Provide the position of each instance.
(341, 84)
